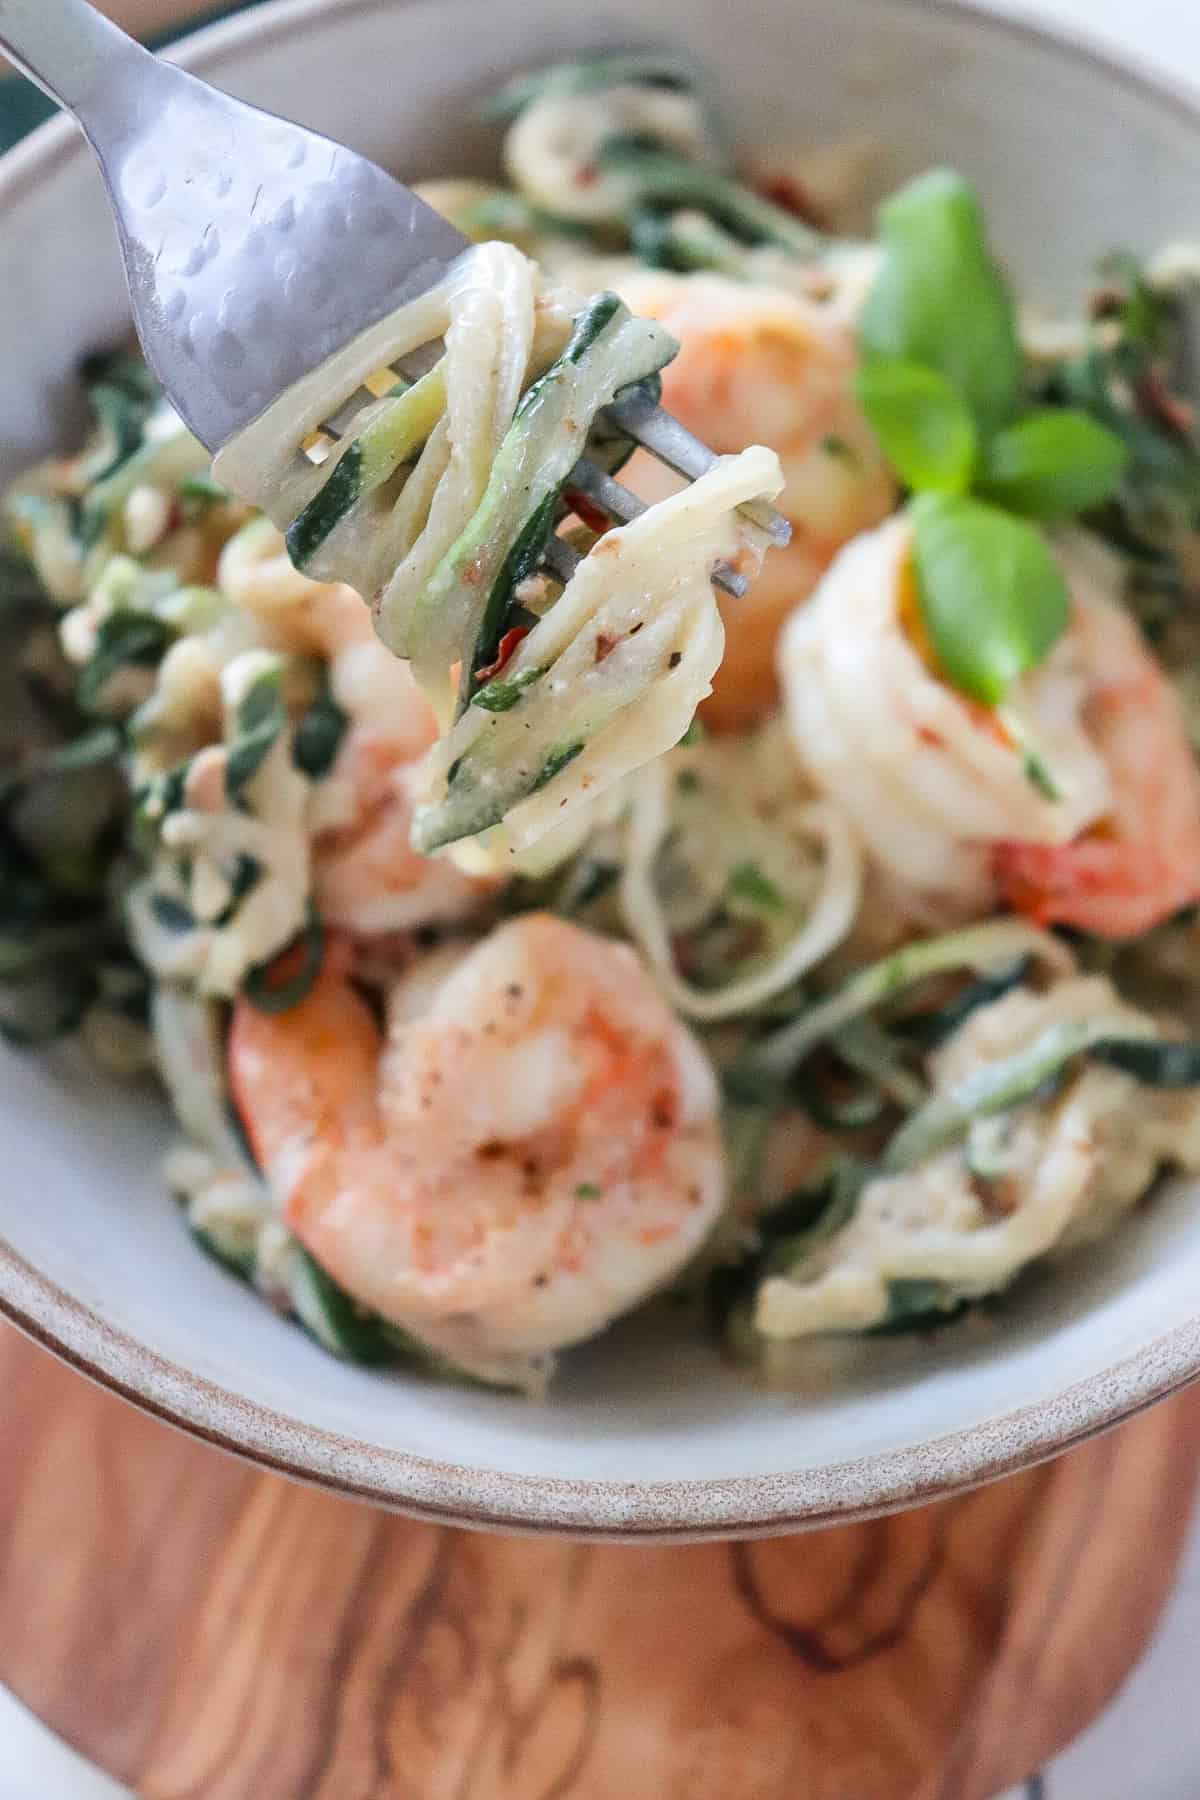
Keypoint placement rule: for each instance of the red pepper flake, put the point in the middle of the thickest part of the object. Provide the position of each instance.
(928, 735)
(793, 196)
(605, 645)
(504, 651)
(337, 958)
(285, 968)
(587, 175)
(663, 1110)
(587, 512)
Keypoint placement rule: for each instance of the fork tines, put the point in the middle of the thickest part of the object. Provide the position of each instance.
(638, 417)
(605, 495)
(663, 436)
(641, 419)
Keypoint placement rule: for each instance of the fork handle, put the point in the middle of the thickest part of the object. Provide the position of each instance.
(69, 49)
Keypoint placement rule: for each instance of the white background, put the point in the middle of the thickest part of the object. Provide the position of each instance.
(1147, 1746)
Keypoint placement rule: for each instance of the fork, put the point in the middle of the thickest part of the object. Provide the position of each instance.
(233, 224)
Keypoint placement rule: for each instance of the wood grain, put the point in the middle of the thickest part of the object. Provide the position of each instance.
(210, 1633)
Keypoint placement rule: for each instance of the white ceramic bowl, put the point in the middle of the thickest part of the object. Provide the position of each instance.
(644, 1435)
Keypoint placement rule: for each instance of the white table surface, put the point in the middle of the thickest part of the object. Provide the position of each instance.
(1147, 1745)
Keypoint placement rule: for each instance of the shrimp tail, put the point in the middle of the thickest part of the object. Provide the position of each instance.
(1096, 884)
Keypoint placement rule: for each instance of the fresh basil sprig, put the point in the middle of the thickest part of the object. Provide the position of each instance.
(942, 368)
(940, 298)
(941, 383)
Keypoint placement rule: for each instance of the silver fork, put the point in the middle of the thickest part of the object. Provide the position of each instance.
(234, 225)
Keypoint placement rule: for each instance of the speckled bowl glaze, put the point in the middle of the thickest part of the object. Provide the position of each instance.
(646, 1434)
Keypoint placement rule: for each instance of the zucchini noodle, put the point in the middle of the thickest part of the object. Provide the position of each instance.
(437, 503)
(828, 920)
(981, 948)
(555, 149)
(608, 680)
(1024, 1149)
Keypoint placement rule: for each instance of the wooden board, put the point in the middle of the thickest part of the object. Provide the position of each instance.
(206, 1632)
(209, 1633)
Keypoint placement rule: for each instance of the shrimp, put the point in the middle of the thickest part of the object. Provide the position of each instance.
(311, 617)
(945, 797)
(1141, 861)
(367, 879)
(530, 1155)
(760, 365)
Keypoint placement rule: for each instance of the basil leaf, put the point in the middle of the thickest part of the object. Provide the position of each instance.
(1053, 463)
(940, 299)
(992, 597)
(922, 422)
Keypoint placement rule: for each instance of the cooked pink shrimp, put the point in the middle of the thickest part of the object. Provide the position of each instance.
(758, 365)
(505, 1173)
(367, 878)
(294, 613)
(942, 791)
(1141, 862)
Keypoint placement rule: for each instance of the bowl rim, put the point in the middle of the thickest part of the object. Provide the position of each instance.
(464, 1494)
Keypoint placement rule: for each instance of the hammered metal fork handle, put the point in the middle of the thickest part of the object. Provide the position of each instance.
(236, 226)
